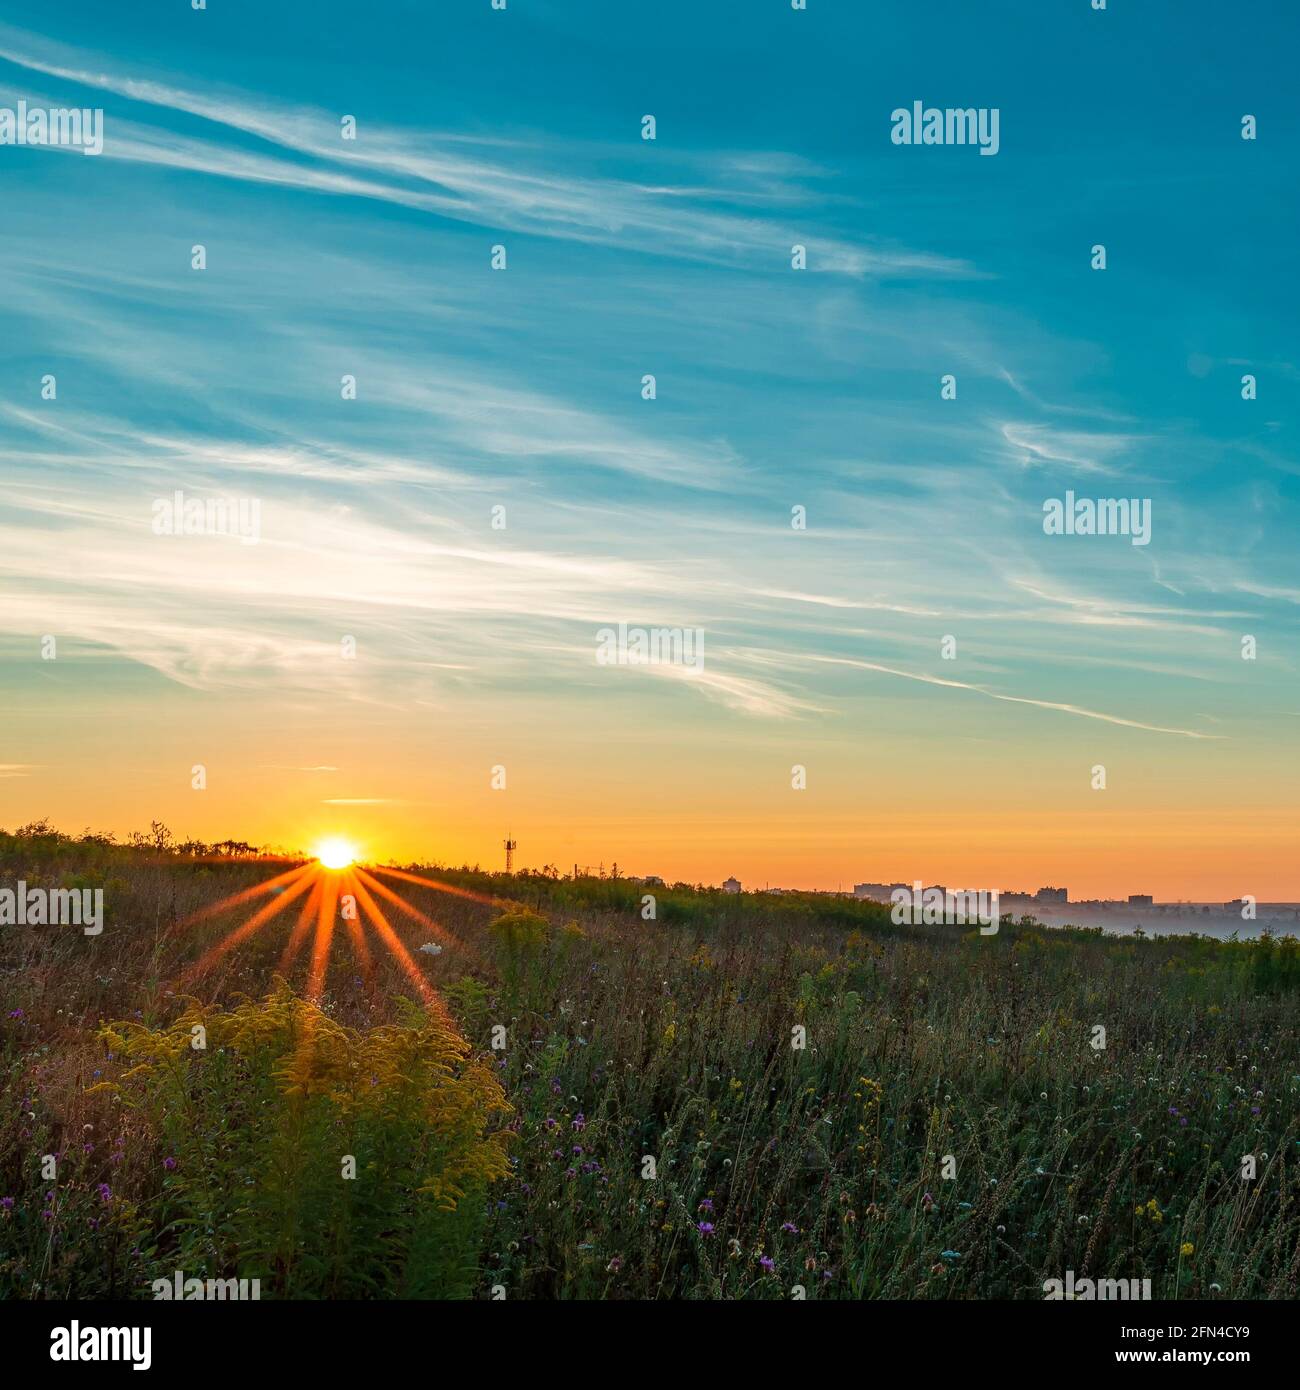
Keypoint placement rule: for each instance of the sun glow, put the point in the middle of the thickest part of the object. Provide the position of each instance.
(335, 853)
(318, 888)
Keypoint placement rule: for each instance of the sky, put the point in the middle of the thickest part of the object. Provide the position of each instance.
(515, 396)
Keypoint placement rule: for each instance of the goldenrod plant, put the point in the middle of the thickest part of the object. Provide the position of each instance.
(330, 1161)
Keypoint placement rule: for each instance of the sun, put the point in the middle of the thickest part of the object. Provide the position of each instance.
(335, 853)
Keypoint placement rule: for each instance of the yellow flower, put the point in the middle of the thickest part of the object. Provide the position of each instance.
(1187, 1248)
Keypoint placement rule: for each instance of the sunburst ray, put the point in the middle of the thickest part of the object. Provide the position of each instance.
(263, 915)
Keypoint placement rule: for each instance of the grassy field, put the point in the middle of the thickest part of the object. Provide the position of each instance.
(649, 1128)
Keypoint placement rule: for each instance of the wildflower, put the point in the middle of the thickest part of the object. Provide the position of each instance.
(706, 1204)
(768, 1263)
(105, 1192)
(580, 1122)
(170, 1164)
(790, 1228)
(705, 1228)
(1186, 1249)
(614, 1265)
(6, 1203)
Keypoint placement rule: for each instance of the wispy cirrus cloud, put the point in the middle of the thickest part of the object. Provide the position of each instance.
(1058, 706)
(1085, 450)
(427, 171)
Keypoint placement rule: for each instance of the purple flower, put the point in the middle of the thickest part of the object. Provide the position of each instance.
(768, 1263)
(580, 1122)
(705, 1228)
(790, 1228)
(7, 1203)
(105, 1192)
(169, 1164)
(706, 1204)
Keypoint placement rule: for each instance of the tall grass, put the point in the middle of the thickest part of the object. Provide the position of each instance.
(949, 1129)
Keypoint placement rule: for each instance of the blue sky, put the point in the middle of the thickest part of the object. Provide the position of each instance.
(775, 388)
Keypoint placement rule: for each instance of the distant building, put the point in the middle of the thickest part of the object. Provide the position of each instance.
(653, 880)
(1052, 895)
(1141, 900)
(731, 885)
(876, 892)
